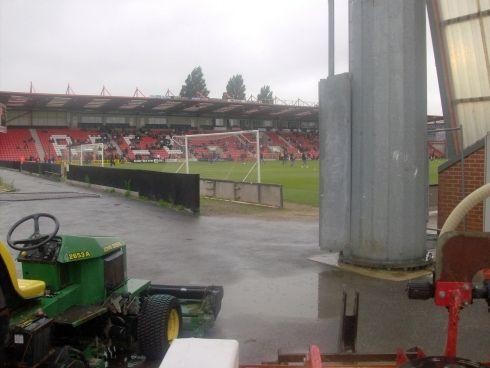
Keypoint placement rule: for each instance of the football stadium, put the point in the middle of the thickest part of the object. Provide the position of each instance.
(148, 133)
(189, 230)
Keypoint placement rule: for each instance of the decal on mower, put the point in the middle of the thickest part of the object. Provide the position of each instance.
(113, 246)
(78, 255)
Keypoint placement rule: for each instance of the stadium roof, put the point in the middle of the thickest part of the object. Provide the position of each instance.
(164, 106)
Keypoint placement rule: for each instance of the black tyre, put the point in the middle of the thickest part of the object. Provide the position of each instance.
(159, 323)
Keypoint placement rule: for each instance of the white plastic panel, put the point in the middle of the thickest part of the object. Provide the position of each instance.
(467, 60)
(474, 118)
(201, 353)
(484, 5)
(468, 54)
(457, 8)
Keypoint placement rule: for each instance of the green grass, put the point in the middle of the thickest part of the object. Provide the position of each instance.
(300, 185)
(6, 187)
(433, 165)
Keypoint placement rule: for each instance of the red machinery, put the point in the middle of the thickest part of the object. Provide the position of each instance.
(460, 256)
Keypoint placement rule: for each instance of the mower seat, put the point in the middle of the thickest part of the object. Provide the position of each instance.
(26, 289)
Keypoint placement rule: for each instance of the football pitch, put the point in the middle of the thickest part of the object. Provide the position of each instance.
(300, 184)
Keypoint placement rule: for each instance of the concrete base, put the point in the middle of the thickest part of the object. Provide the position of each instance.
(332, 259)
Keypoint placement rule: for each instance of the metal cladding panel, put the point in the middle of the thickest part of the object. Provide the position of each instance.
(389, 163)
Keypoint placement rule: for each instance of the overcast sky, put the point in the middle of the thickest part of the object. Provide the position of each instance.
(154, 44)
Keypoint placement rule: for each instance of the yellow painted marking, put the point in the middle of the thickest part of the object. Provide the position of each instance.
(113, 246)
(78, 255)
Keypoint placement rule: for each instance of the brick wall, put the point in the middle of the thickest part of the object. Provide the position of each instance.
(450, 189)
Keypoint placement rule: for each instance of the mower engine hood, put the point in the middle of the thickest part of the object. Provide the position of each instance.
(82, 247)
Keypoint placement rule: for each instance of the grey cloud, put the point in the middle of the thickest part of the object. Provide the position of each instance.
(154, 44)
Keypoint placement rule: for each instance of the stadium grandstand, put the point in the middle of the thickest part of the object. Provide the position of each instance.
(41, 127)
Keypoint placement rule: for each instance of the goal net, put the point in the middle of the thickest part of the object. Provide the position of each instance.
(85, 154)
(226, 156)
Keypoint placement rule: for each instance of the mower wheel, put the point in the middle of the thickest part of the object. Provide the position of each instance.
(159, 323)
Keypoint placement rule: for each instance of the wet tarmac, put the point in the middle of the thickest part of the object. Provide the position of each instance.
(275, 298)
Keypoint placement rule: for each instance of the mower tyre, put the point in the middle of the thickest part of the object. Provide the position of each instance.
(159, 323)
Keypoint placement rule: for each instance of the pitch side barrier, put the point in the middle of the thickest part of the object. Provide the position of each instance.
(264, 194)
(177, 189)
(40, 168)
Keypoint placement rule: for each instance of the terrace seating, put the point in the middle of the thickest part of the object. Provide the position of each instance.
(161, 154)
(17, 143)
(301, 142)
(55, 140)
(155, 143)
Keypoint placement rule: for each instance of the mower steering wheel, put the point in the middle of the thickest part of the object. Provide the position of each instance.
(37, 239)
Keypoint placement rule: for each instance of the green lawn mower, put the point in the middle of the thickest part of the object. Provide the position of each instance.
(75, 306)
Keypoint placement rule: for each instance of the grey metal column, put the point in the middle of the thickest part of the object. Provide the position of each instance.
(331, 37)
(335, 161)
(389, 109)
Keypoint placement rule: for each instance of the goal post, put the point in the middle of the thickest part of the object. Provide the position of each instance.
(239, 151)
(85, 154)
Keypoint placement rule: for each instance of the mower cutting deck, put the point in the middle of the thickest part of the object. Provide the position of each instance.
(75, 306)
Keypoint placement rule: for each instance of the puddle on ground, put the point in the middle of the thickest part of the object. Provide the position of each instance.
(305, 295)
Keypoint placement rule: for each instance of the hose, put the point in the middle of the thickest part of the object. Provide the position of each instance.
(463, 207)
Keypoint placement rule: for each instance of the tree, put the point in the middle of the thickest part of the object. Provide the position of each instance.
(235, 87)
(265, 95)
(195, 84)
